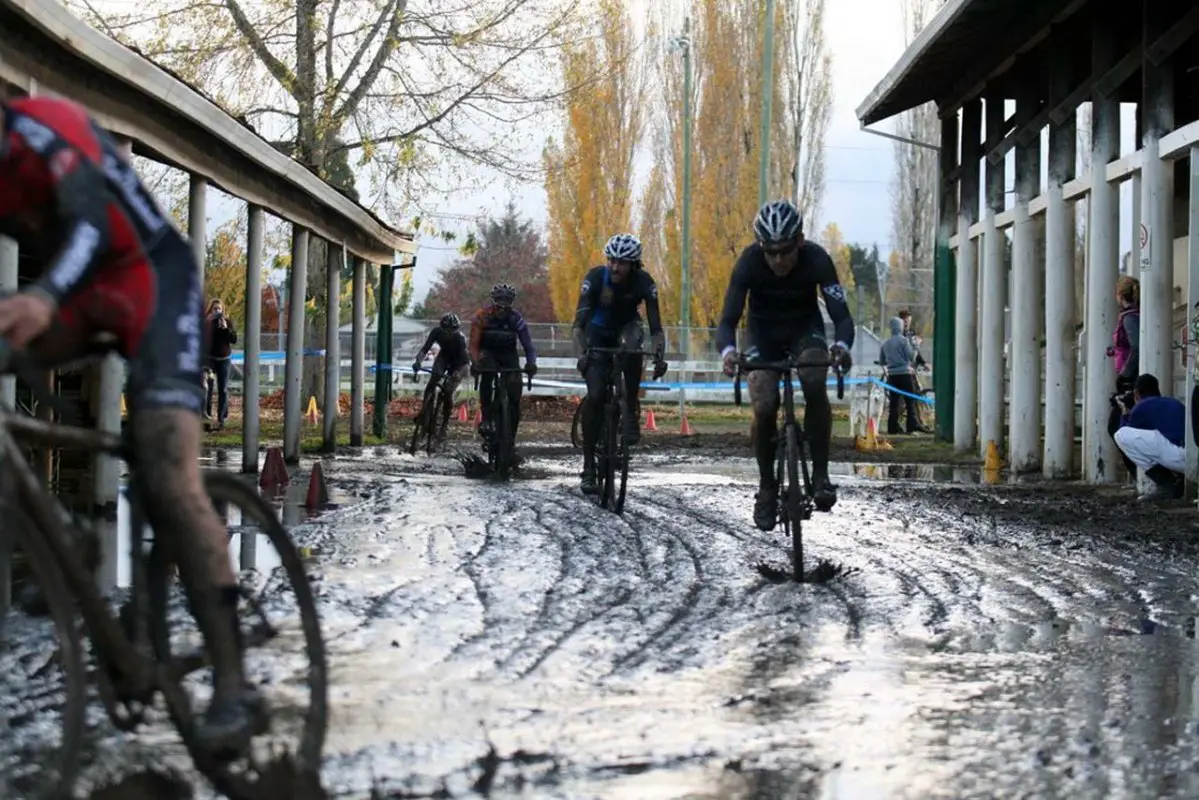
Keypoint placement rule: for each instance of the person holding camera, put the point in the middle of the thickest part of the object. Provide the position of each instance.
(1152, 436)
(1125, 351)
(221, 338)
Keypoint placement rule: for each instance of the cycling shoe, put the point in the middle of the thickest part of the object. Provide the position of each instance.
(228, 726)
(766, 510)
(825, 496)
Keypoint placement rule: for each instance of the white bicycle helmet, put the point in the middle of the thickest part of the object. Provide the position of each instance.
(778, 222)
(623, 247)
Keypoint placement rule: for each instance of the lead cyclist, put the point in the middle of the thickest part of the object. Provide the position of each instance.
(783, 274)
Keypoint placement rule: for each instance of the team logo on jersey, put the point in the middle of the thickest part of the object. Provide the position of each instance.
(835, 292)
(653, 291)
(586, 287)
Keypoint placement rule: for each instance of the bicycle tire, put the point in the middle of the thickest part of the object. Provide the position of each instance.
(503, 435)
(419, 423)
(611, 442)
(441, 419)
(622, 459)
(576, 428)
(793, 500)
(56, 777)
(431, 418)
(224, 486)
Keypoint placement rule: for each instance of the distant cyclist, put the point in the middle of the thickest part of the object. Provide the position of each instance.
(493, 336)
(783, 274)
(452, 361)
(607, 317)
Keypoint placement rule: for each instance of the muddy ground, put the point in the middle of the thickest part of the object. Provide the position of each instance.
(513, 640)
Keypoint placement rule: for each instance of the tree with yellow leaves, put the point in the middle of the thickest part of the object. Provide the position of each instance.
(589, 173)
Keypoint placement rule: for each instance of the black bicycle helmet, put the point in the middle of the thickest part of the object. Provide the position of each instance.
(503, 294)
(451, 322)
(778, 222)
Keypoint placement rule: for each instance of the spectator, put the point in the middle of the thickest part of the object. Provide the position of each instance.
(897, 355)
(919, 363)
(1151, 435)
(222, 337)
(1125, 349)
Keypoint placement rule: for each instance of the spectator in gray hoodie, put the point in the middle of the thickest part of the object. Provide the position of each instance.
(897, 355)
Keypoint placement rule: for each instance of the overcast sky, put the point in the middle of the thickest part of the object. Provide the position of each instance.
(865, 39)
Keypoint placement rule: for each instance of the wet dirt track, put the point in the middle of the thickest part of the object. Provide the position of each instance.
(515, 640)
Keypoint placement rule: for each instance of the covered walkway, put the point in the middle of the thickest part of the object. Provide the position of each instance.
(1008, 78)
(44, 49)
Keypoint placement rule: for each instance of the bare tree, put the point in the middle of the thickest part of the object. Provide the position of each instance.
(809, 101)
(914, 193)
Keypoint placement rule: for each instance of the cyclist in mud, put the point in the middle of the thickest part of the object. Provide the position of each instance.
(113, 263)
(607, 316)
(783, 274)
(452, 361)
(493, 336)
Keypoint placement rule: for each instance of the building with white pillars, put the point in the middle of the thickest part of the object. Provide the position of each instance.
(46, 50)
(1008, 78)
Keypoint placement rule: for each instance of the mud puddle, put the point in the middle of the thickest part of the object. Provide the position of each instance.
(515, 640)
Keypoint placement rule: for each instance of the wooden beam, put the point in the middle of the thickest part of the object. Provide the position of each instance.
(1174, 38)
(1025, 113)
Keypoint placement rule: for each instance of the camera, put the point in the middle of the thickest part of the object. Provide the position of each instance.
(1123, 400)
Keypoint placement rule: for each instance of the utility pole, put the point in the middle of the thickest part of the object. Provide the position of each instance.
(767, 103)
(683, 43)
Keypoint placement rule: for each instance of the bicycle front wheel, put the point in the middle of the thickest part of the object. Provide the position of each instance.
(611, 455)
(272, 565)
(503, 437)
(576, 427)
(620, 470)
(420, 424)
(57, 680)
(793, 499)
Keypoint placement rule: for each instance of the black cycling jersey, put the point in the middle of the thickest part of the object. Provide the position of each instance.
(783, 309)
(606, 307)
(451, 347)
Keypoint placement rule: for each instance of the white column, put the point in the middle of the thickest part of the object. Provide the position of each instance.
(1060, 353)
(1192, 299)
(197, 221)
(358, 356)
(1137, 187)
(965, 399)
(106, 473)
(994, 298)
(1100, 457)
(1157, 209)
(293, 381)
(253, 342)
(1024, 422)
(334, 261)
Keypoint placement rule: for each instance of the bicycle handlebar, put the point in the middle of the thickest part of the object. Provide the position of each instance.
(746, 364)
(499, 371)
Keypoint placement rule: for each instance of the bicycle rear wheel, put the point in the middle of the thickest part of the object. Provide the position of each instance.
(300, 646)
(576, 427)
(793, 500)
(39, 775)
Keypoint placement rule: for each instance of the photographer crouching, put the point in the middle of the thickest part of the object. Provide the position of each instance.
(1152, 436)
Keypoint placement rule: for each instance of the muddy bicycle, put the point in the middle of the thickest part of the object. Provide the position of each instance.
(431, 421)
(612, 445)
(136, 661)
(796, 499)
(500, 443)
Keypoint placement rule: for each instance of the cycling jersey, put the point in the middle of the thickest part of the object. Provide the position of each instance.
(605, 307)
(114, 263)
(496, 330)
(451, 347)
(783, 309)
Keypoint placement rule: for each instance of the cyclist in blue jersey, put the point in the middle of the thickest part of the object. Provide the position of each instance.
(783, 275)
(607, 316)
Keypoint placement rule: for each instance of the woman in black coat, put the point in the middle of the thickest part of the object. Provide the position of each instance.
(221, 338)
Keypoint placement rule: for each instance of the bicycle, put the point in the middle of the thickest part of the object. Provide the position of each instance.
(433, 416)
(612, 446)
(132, 650)
(796, 500)
(501, 444)
(576, 428)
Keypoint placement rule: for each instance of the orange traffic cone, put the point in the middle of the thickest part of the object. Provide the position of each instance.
(462, 415)
(687, 429)
(318, 489)
(650, 423)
